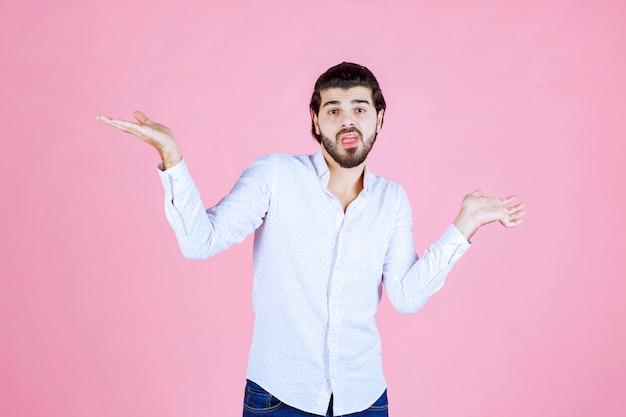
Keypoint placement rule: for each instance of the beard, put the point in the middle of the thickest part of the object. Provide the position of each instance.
(348, 157)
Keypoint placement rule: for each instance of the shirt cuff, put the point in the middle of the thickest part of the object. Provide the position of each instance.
(176, 174)
(454, 235)
(454, 243)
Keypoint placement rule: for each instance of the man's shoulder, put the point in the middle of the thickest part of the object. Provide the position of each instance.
(281, 158)
(381, 184)
(279, 163)
(284, 160)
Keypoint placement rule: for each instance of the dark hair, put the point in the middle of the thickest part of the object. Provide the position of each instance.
(345, 75)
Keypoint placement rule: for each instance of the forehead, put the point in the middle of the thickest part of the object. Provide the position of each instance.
(346, 95)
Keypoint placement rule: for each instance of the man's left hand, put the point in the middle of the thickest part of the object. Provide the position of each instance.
(478, 210)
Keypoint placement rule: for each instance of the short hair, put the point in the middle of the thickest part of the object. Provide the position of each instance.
(345, 75)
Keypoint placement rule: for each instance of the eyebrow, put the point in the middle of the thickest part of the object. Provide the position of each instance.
(355, 101)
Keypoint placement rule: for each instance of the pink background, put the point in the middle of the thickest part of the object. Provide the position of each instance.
(101, 316)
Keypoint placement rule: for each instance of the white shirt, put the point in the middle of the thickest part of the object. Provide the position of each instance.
(318, 272)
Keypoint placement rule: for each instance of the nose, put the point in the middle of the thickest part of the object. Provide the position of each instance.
(347, 121)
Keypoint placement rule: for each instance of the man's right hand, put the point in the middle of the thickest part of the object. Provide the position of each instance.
(155, 134)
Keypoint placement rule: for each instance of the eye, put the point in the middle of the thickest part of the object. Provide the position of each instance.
(333, 111)
(360, 110)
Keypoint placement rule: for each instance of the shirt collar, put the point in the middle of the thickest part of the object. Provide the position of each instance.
(321, 168)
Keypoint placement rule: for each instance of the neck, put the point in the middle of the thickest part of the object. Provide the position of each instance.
(344, 183)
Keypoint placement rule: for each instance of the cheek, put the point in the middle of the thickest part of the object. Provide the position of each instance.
(371, 126)
(325, 126)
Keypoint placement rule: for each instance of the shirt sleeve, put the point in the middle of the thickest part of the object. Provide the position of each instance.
(203, 233)
(410, 280)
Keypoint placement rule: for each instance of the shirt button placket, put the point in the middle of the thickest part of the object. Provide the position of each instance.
(333, 307)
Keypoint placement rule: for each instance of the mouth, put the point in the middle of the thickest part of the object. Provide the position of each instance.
(349, 140)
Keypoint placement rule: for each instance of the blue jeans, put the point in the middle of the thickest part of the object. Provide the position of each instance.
(259, 403)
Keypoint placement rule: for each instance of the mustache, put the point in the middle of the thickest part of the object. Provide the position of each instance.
(349, 130)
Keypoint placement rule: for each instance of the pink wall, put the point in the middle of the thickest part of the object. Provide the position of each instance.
(101, 316)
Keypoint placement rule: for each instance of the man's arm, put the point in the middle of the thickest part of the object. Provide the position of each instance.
(410, 281)
(201, 233)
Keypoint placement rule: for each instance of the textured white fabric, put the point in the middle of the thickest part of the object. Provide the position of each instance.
(318, 273)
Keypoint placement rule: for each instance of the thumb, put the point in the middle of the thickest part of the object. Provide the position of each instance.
(477, 193)
(142, 118)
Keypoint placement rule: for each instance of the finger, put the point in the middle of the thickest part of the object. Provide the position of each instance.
(517, 215)
(515, 208)
(122, 124)
(103, 118)
(513, 223)
(477, 193)
(512, 220)
(142, 118)
(106, 119)
(128, 127)
(507, 200)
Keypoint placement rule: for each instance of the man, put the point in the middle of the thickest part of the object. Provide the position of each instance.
(328, 235)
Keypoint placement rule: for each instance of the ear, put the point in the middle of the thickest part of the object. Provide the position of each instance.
(379, 121)
(315, 122)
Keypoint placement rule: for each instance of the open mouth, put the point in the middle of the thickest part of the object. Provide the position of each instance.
(349, 140)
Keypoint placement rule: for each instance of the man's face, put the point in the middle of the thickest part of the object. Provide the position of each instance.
(347, 123)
